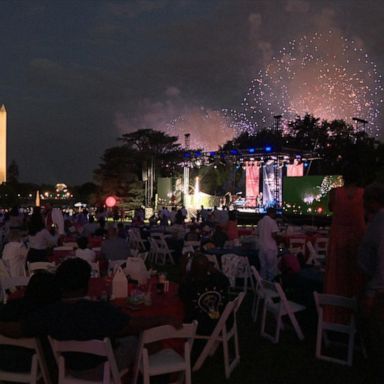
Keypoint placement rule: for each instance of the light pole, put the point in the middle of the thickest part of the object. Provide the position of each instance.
(187, 137)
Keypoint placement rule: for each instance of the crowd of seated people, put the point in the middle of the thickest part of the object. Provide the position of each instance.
(57, 305)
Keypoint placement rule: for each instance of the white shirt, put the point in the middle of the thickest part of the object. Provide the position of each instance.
(42, 240)
(266, 227)
(86, 254)
(14, 257)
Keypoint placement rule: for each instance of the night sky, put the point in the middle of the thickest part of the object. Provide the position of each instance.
(75, 75)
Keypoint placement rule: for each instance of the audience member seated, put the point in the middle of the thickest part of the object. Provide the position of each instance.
(83, 252)
(178, 232)
(219, 237)
(193, 234)
(204, 292)
(40, 239)
(100, 231)
(77, 318)
(90, 228)
(114, 247)
(231, 227)
(15, 254)
(40, 292)
(121, 231)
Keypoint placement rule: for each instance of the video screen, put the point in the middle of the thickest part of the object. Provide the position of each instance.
(308, 195)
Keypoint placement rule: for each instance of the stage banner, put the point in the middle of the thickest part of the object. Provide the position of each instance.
(272, 183)
(252, 179)
(295, 169)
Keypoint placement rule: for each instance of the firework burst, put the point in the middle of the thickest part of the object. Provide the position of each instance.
(327, 76)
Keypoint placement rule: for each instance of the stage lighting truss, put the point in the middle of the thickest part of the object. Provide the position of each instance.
(241, 158)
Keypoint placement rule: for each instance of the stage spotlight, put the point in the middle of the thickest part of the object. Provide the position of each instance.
(251, 150)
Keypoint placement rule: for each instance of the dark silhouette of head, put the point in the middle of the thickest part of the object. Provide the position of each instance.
(82, 242)
(72, 277)
(41, 290)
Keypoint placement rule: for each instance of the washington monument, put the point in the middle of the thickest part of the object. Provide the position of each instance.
(3, 144)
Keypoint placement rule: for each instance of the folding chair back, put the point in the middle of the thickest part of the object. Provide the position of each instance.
(237, 267)
(321, 246)
(277, 305)
(260, 293)
(314, 257)
(166, 360)
(135, 240)
(348, 328)
(297, 246)
(111, 372)
(223, 335)
(40, 266)
(163, 253)
(38, 367)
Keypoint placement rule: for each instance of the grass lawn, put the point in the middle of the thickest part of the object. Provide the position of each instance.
(291, 361)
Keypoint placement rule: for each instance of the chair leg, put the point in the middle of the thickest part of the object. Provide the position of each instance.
(278, 328)
(296, 326)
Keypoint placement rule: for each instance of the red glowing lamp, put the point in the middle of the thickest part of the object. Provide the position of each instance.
(110, 201)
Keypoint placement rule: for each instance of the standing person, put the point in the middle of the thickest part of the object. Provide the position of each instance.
(371, 261)
(40, 239)
(203, 214)
(268, 237)
(342, 275)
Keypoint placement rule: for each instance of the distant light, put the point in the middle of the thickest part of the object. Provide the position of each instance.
(268, 148)
(212, 153)
(234, 152)
(197, 153)
(110, 201)
(306, 165)
(186, 154)
(251, 150)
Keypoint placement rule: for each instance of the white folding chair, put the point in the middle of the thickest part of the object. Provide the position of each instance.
(323, 326)
(314, 258)
(213, 259)
(321, 246)
(222, 335)
(111, 373)
(297, 246)
(237, 267)
(260, 293)
(133, 252)
(10, 284)
(135, 240)
(166, 360)
(279, 307)
(40, 266)
(161, 249)
(38, 369)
